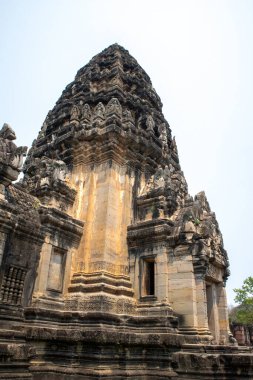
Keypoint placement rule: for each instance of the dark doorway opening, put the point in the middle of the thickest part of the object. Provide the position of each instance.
(149, 277)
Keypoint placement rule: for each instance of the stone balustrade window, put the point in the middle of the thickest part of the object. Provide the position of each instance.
(13, 285)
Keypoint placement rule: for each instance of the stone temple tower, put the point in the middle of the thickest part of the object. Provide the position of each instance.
(110, 263)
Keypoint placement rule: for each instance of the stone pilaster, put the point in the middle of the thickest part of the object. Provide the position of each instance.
(203, 328)
(222, 312)
(182, 289)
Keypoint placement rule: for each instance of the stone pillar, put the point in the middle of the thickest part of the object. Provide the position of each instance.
(222, 311)
(161, 276)
(212, 311)
(134, 272)
(100, 265)
(41, 281)
(105, 194)
(182, 289)
(203, 328)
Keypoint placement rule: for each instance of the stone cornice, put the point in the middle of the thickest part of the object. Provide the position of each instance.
(53, 219)
(10, 220)
(149, 232)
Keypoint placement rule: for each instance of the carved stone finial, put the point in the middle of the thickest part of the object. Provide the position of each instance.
(11, 156)
(167, 177)
(163, 133)
(159, 178)
(7, 132)
(202, 201)
(174, 146)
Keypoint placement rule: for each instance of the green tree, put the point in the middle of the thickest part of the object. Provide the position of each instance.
(244, 296)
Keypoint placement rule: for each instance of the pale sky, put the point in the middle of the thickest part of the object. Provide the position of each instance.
(199, 56)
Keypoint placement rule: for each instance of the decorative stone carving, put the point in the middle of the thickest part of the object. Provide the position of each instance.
(150, 124)
(127, 116)
(116, 81)
(167, 177)
(128, 121)
(163, 136)
(86, 113)
(60, 171)
(174, 147)
(202, 202)
(160, 180)
(114, 108)
(45, 172)
(47, 179)
(74, 113)
(10, 154)
(214, 272)
(106, 282)
(99, 112)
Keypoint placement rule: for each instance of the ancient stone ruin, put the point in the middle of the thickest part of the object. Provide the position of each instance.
(109, 268)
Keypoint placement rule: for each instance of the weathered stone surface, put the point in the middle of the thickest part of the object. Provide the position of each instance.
(109, 268)
(242, 333)
(11, 157)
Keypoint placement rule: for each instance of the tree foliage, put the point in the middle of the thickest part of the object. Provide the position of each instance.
(244, 296)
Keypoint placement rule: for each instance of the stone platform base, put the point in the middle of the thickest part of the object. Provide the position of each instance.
(113, 347)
